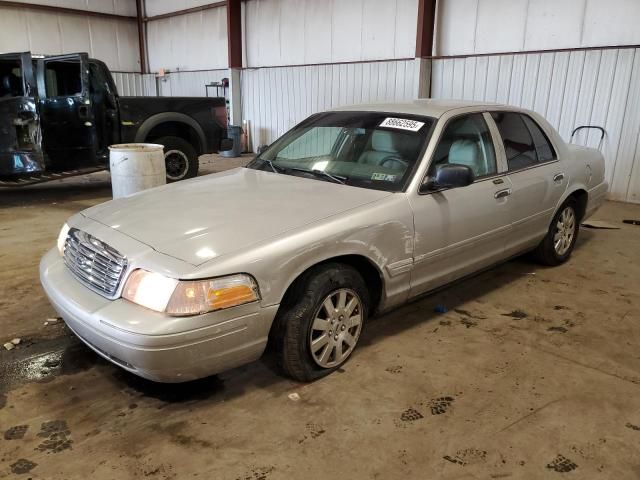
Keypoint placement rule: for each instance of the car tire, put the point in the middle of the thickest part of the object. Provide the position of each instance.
(311, 341)
(557, 245)
(181, 158)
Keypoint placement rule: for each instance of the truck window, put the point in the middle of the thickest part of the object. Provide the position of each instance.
(63, 78)
(10, 79)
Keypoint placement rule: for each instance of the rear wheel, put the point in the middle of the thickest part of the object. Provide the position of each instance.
(321, 322)
(557, 245)
(181, 159)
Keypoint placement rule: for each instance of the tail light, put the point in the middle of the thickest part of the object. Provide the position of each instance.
(220, 116)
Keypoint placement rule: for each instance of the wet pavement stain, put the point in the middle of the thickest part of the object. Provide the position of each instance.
(57, 435)
(516, 314)
(468, 456)
(16, 433)
(562, 464)
(440, 405)
(23, 466)
(410, 415)
(42, 361)
(196, 390)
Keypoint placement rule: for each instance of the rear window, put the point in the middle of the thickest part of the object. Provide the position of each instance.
(525, 144)
(11, 79)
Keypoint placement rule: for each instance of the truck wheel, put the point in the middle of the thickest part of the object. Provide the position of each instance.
(319, 326)
(180, 158)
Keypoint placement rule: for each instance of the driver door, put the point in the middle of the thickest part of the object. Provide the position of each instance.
(461, 230)
(20, 138)
(69, 133)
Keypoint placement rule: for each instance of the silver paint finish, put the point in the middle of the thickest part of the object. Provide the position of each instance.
(275, 226)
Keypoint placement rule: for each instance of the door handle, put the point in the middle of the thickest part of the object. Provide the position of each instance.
(503, 193)
(558, 177)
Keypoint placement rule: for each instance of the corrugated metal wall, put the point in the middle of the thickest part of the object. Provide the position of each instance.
(190, 84)
(275, 99)
(112, 40)
(599, 87)
(194, 41)
(135, 84)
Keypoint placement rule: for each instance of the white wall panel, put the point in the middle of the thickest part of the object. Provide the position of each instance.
(487, 26)
(569, 89)
(114, 41)
(158, 7)
(118, 7)
(195, 41)
(189, 84)
(275, 99)
(500, 23)
(295, 32)
(135, 84)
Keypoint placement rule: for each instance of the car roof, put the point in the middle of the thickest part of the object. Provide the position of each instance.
(423, 106)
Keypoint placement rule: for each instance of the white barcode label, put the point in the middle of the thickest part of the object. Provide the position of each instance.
(402, 124)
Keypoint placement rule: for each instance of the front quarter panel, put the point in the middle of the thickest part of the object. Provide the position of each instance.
(381, 232)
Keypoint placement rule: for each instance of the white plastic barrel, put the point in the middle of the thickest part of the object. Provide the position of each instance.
(136, 167)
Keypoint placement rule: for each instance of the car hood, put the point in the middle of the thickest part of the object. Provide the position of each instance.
(207, 217)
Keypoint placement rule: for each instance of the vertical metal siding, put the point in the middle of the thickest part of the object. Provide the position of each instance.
(134, 84)
(189, 84)
(599, 87)
(275, 99)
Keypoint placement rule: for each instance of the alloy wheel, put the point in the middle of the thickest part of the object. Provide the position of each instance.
(565, 231)
(336, 328)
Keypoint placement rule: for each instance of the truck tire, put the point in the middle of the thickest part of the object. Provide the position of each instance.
(181, 159)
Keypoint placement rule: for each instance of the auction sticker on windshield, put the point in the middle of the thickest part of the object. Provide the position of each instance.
(402, 124)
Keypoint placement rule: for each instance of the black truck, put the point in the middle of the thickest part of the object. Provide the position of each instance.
(59, 114)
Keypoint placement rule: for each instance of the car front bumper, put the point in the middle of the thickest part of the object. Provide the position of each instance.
(150, 344)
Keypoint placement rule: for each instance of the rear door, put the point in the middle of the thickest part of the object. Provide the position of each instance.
(69, 133)
(533, 171)
(20, 139)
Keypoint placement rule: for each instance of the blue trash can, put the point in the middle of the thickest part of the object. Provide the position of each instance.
(234, 132)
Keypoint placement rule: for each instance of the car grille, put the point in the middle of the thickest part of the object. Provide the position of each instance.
(94, 263)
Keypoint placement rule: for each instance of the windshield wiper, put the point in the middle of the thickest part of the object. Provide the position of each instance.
(321, 173)
(274, 167)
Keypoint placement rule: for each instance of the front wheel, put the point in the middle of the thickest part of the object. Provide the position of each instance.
(181, 159)
(321, 322)
(557, 245)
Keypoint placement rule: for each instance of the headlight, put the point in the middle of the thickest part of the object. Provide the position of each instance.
(182, 298)
(62, 238)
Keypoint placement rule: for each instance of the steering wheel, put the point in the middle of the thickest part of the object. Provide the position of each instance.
(394, 162)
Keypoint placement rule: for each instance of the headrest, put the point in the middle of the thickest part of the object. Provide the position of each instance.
(382, 141)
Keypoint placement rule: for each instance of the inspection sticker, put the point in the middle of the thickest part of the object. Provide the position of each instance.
(402, 124)
(384, 177)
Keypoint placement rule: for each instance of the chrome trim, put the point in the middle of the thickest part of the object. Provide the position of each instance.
(94, 263)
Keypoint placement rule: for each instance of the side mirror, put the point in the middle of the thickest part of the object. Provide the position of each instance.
(226, 144)
(448, 175)
(262, 148)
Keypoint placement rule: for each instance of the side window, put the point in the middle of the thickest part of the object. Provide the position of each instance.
(543, 145)
(466, 140)
(518, 143)
(62, 78)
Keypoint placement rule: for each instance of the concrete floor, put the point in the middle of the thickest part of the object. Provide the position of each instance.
(532, 372)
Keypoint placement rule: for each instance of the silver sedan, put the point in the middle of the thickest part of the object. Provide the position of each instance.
(351, 213)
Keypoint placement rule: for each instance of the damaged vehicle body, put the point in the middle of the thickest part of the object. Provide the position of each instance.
(59, 114)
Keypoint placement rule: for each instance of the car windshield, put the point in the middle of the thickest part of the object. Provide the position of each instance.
(363, 149)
